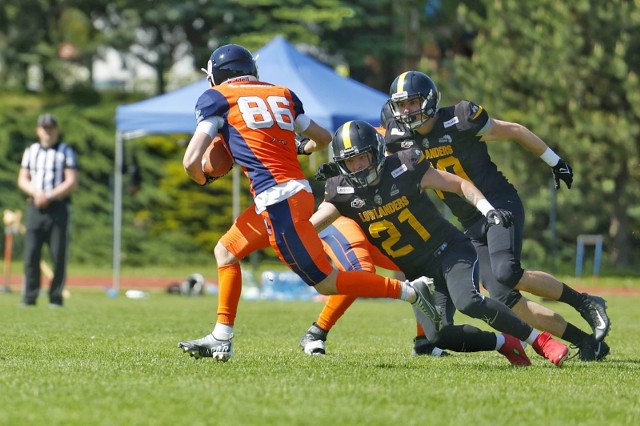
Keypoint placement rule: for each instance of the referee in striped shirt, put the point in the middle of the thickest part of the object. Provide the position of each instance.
(48, 176)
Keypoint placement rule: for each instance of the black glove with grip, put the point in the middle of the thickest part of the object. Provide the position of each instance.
(327, 170)
(500, 217)
(563, 171)
(301, 142)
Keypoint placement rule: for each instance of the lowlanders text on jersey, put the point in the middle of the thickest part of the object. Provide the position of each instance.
(382, 211)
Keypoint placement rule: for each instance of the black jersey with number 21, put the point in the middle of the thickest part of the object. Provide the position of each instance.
(396, 215)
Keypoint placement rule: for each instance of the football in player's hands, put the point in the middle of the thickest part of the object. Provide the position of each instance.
(216, 160)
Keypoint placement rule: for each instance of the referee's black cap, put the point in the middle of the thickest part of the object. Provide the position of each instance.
(47, 120)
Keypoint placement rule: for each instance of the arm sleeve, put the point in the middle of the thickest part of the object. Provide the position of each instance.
(210, 125)
(302, 123)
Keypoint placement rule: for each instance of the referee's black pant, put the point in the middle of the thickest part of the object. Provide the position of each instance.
(51, 226)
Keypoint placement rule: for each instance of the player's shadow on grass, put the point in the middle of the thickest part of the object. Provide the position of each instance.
(480, 366)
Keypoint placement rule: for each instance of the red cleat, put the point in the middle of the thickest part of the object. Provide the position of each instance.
(551, 349)
(513, 350)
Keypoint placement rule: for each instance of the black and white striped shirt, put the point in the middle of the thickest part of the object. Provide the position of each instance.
(46, 165)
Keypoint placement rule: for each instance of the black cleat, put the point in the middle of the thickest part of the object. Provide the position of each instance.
(422, 346)
(594, 312)
(592, 350)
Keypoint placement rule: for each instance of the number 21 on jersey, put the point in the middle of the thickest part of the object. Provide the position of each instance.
(378, 229)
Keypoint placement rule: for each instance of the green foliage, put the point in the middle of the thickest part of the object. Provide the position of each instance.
(157, 36)
(57, 38)
(113, 361)
(170, 220)
(569, 72)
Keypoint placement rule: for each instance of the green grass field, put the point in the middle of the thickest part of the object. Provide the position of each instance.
(115, 361)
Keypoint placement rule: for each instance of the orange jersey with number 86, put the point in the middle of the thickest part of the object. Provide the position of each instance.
(258, 129)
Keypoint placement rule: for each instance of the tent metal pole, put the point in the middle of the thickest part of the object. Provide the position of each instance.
(117, 210)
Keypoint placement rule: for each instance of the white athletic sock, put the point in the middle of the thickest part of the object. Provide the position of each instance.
(407, 293)
(222, 331)
(532, 337)
(499, 341)
(437, 351)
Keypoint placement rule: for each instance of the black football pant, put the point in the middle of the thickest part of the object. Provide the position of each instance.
(455, 274)
(499, 250)
(48, 226)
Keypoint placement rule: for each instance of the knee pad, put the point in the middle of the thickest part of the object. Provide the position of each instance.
(508, 273)
(505, 295)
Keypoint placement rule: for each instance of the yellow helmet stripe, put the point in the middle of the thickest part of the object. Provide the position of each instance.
(346, 137)
(400, 85)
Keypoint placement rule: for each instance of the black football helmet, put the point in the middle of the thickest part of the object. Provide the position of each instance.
(386, 114)
(230, 61)
(410, 85)
(352, 139)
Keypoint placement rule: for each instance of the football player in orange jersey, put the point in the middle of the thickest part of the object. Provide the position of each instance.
(258, 122)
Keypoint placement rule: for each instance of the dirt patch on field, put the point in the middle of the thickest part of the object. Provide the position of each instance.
(614, 291)
(157, 283)
(146, 283)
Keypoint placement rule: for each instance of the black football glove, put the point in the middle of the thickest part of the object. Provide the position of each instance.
(500, 217)
(301, 142)
(327, 170)
(563, 171)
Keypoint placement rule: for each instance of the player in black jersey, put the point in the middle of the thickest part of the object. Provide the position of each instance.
(453, 139)
(386, 197)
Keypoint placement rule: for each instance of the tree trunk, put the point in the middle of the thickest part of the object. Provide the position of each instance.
(160, 80)
(619, 227)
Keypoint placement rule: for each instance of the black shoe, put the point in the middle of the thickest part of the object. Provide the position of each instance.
(312, 342)
(592, 350)
(594, 312)
(422, 346)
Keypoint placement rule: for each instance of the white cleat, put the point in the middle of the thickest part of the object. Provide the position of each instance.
(208, 347)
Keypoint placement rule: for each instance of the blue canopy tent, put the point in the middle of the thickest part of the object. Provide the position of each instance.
(328, 98)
